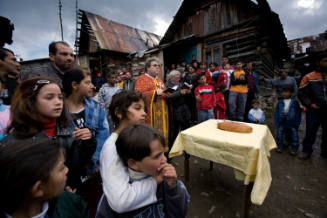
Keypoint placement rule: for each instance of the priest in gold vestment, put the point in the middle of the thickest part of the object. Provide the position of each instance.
(152, 87)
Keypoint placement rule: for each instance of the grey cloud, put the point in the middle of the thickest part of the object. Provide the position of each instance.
(37, 23)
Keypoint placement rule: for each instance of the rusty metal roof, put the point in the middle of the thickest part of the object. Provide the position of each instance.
(119, 37)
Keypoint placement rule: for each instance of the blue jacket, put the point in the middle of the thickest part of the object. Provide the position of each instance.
(96, 121)
(293, 116)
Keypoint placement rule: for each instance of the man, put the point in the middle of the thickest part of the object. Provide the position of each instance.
(9, 74)
(152, 87)
(224, 61)
(237, 93)
(129, 82)
(313, 95)
(62, 59)
(252, 88)
(283, 81)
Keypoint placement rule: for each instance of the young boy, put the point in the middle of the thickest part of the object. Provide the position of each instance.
(205, 97)
(220, 107)
(105, 94)
(288, 117)
(141, 149)
(256, 115)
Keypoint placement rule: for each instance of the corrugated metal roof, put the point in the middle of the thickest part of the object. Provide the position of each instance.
(119, 37)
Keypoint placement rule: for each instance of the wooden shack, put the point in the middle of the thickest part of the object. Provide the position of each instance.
(106, 44)
(243, 30)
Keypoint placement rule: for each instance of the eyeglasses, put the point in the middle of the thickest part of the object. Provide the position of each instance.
(40, 82)
(155, 65)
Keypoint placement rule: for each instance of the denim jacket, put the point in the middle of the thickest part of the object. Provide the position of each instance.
(96, 121)
(294, 113)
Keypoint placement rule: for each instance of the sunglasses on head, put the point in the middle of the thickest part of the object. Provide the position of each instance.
(40, 82)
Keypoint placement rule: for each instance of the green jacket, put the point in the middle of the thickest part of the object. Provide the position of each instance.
(68, 205)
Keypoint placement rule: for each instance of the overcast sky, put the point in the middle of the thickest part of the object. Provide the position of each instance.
(37, 21)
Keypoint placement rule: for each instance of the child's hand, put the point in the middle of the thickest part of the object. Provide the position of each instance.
(83, 134)
(169, 174)
(198, 98)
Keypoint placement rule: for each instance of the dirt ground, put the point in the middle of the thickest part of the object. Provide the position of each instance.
(298, 189)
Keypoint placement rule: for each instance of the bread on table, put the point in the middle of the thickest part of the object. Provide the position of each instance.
(234, 127)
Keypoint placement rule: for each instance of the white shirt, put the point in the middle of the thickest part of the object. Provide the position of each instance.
(256, 113)
(43, 214)
(287, 103)
(122, 195)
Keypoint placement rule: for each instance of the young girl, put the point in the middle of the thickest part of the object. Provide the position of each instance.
(220, 107)
(37, 111)
(33, 180)
(127, 108)
(85, 112)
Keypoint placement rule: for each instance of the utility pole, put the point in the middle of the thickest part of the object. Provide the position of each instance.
(76, 35)
(60, 19)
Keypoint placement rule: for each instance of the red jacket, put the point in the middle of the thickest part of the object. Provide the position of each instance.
(220, 102)
(209, 78)
(207, 94)
(222, 79)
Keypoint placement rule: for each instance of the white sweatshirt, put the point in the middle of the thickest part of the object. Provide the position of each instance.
(122, 195)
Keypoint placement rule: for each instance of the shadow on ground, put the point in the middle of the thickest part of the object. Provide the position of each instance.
(298, 189)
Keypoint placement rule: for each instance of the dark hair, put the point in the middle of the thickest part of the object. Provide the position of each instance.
(25, 119)
(108, 74)
(120, 103)
(22, 164)
(53, 46)
(255, 101)
(4, 53)
(287, 89)
(73, 75)
(213, 63)
(134, 142)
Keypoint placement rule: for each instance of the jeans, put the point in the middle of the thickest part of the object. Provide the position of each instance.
(315, 118)
(204, 115)
(284, 129)
(236, 103)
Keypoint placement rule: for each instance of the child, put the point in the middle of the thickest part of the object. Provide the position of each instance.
(256, 115)
(141, 149)
(205, 97)
(105, 95)
(4, 115)
(37, 111)
(220, 107)
(85, 112)
(33, 180)
(127, 108)
(288, 117)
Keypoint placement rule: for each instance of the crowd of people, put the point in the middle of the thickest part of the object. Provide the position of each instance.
(75, 143)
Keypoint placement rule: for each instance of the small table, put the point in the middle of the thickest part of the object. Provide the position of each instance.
(246, 153)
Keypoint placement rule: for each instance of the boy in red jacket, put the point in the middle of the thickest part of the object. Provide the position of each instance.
(205, 98)
(220, 107)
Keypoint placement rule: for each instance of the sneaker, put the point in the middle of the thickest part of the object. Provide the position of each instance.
(293, 153)
(304, 156)
(279, 150)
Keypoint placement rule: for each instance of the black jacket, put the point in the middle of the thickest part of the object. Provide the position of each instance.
(313, 90)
